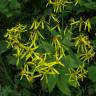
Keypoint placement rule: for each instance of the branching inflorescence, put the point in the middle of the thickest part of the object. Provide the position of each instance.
(38, 63)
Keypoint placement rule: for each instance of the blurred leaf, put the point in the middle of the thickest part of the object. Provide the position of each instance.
(14, 4)
(89, 4)
(11, 60)
(93, 20)
(5, 91)
(71, 62)
(92, 73)
(63, 86)
(52, 80)
(67, 42)
(9, 7)
(3, 46)
(46, 46)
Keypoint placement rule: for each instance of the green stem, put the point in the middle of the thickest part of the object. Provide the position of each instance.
(62, 21)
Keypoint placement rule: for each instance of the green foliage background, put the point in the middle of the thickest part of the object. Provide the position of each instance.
(14, 12)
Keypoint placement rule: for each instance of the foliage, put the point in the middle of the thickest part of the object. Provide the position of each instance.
(51, 55)
(9, 7)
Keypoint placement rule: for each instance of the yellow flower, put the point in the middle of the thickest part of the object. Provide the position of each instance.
(59, 48)
(58, 5)
(13, 35)
(87, 55)
(80, 23)
(77, 23)
(87, 25)
(35, 25)
(77, 74)
(38, 23)
(82, 43)
(53, 17)
(77, 2)
(25, 72)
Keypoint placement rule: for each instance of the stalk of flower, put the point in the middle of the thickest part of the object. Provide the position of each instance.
(35, 25)
(59, 50)
(57, 26)
(77, 2)
(78, 23)
(73, 22)
(53, 16)
(42, 22)
(87, 25)
(34, 38)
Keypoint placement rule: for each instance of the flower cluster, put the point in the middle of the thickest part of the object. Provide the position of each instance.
(80, 23)
(82, 43)
(36, 64)
(58, 5)
(76, 75)
(42, 57)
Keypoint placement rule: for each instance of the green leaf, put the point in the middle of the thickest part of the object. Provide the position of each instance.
(71, 61)
(14, 4)
(9, 7)
(46, 46)
(63, 86)
(92, 73)
(3, 46)
(73, 83)
(6, 90)
(89, 4)
(11, 60)
(52, 80)
(3, 5)
(67, 42)
(93, 20)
